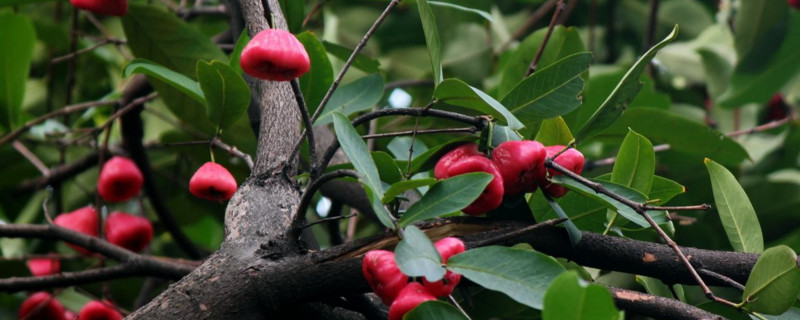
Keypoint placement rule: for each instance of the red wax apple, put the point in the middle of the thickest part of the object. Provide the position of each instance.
(520, 163)
(41, 306)
(571, 159)
(447, 160)
(383, 275)
(492, 196)
(447, 247)
(96, 310)
(128, 231)
(276, 55)
(104, 7)
(119, 180)
(794, 3)
(212, 182)
(84, 220)
(44, 266)
(69, 315)
(409, 298)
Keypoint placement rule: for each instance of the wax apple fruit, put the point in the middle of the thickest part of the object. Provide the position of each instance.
(84, 220)
(41, 306)
(212, 182)
(119, 180)
(128, 231)
(96, 310)
(492, 196)
(794, 3)
(453, 156)
(447, 247)
(383, 275)
(571, 159)
(409, 298)
(520, 163)
(104, 7)
(276, 55)
(44, 266)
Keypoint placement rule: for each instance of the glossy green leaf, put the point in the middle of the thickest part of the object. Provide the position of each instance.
(481, 13)
(657, 288)
(18, 38)
(236, 54)
(356, 150)
(388, 169)
(550, 92)
(377, 206)
(315, 83)
(682, 134)
(294, 12)
(447, 196)
(774, 282)
(176, 80)
(523, 275)
(755, 18)
(431, 38)
(728, 312)
(768, 65)
(358, 95)
(554, 131)
(572, 231)
(664, 189)
(402, 186)
(434, 310)
(361, 62)
(717, 71)
(563, 42)
(636, 163)
(417, 257)
(459, 93)
(502, 134)
(623, 94)
(733, 206)
(227, 95)
(569, 298)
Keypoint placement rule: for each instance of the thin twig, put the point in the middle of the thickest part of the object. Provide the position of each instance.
(410, 132)
(722, 278)
(60, 112)
(532, 20)
(328, 219)
(559, 9)
(135, 103)
(764, 127)
(32, 158)
(233, 151)
(312, 188)
(309, 132)
(79, 52)
(517, 232)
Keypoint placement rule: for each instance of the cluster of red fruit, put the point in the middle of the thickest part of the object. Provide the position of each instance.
(43, 306)
(517, 167)
(393, 287)
(104, 7)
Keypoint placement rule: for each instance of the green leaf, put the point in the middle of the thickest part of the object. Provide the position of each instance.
(568, 298)
(554, 132)
(315, 83)
(236, 55)
(356, 150)
(680, 133)
(431, 38)
(717, 71)
(227, 95)
(753, 19)
(623, 94)
(664, 189)
(636, 163)
(551, 91)
(737, 214)
(657, 288)
(434, 310)
(447, 196)
(294, 12)
(523, 275)
(502, 134)
(769, 65)
(358, 95)
(174, 79)
(563, 42)
(388, 169)
(774, 282)
(572, 231)
(18, 39)
(402, 186)
(380, 210)
(481, 13)
(361, 62)
(458, 93)
(611, 203)
(417, 257)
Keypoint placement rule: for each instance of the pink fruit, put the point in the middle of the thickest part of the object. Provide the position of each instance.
(520, 163)
(84, 220)
(409, 298)
(276, 55)
(128, 231)
(41, 306)
(383, 275)
(212, 182)
(571, 159)
(96, 310)
(119, 180)
(447, 248)
(104, 7)
(492, 196)
(453, 156)
(44, 266)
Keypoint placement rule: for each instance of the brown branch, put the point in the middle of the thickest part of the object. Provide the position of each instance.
(60, 112)
(58, 174)
(532, 20)
(559, 9)
(658, 307)
(411, 132)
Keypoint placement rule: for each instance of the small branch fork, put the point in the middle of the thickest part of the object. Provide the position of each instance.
(642, 210)
(559, 9)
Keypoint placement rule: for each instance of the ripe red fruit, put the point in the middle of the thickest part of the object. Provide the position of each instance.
(492, 196)
(794, 3)
(571, 159)
(276, 55)
(105, 7)
(383, 275)
(453, 156)
(69, 315)
(409, 298)
(212, 182)
(96, 310)
(84, 220)
(128, 231)
(44, 266)
(520, 163)
(41, 306)
(119, 180)
(447, 248)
